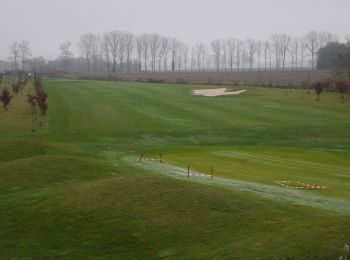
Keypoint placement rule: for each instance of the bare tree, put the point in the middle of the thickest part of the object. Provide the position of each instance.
(25, 52)
(185, 55)
(224, 54)
(66, 54)
(179, 56)
(114, 42)
(204, 54)
(216, 46)
(284, 47)
(267, 51)
(14, 55)
(231, 48)
(258, 52)
(193, 60)
(174, 46)
(86, 48)
(312, 46)
(105, 48)
(95, 50)
(139, 51)
(199, 50)
(121, 50)
(129, 47)
(303, 48)
(294, 52)
(154, 47)
(325, 38)
(276, 43)
(251, 48)
(239, 48)
(145, 48)
(164, 52)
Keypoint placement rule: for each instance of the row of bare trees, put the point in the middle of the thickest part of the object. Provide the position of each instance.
(123, 52)
(230, 54)
(119, 51)
(153, 52)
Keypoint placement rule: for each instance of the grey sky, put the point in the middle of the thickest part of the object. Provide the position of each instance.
(46, 23)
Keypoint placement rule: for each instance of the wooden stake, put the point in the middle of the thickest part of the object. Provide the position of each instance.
(188, 171)
(161, 158)
(141, 157)
(212, 172)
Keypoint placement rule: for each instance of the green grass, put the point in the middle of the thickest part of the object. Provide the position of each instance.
(74, 188)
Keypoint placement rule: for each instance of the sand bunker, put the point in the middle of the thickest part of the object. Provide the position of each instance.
(213, 92)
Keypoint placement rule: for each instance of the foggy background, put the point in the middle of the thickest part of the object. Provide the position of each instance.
(47, 23)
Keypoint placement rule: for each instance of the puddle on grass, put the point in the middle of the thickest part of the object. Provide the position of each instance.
(335, 205)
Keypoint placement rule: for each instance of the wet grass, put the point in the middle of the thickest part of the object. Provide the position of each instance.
(69, 190)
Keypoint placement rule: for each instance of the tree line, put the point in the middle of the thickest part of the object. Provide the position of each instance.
(124, 52)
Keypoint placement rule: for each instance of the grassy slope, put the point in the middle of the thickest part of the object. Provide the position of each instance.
(59, 196)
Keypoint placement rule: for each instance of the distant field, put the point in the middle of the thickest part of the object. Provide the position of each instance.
(76, 189)
(270, 78)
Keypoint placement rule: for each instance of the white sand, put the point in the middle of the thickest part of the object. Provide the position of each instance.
(216, 92)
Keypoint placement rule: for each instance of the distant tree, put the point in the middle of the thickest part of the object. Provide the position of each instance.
(179, 56)
(14, 55)
(231, 48)
(216, 46)
(154, 47)
(5, 98)
(105, 48)
(174, 47)
(239, 50)
(86, 45)
(145, 48)
(185, 52)
(139, 51)
(199, 50)
(294, 52)
(319, 88)
(333, 55)
(224, 54)
(204, 54)
(325, 38)
(121, 50)
(95, 50)
(66, 54)
(267, 51)
(342, 86)
(25, 52)
(114, 42)
(259, 46)
(129, 48)
(303, 49)
(251, 48)
(284, 45)
(312, 39)
(276, 44)
(38, 64)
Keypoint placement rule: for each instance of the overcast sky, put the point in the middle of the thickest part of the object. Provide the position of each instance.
(47, 23)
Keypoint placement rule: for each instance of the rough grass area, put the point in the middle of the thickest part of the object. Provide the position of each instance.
(70, 190)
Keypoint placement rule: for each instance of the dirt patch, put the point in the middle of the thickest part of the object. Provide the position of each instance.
(216, 92)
